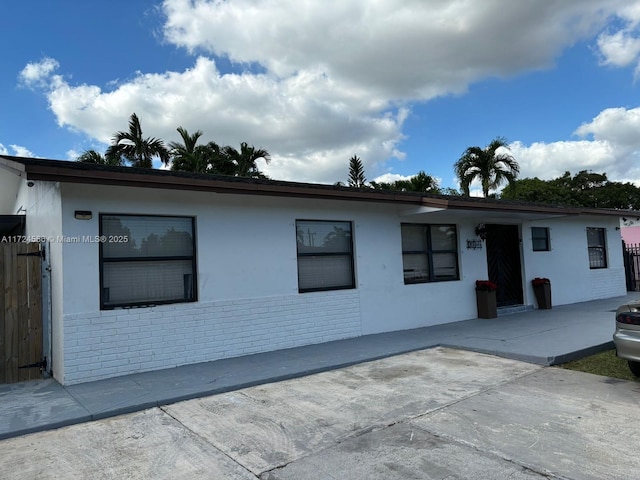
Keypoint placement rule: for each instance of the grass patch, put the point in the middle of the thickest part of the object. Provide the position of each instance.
(604, 363)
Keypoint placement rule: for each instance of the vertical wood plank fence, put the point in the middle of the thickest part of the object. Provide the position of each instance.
(20, 311)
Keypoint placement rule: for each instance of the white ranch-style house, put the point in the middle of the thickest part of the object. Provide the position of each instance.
(153, 269)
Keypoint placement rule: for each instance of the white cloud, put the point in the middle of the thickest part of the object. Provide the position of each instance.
(391, 177)
(400, 49)
(16, 150)
(21, 151)
(621, 47)
(311, 125)
(610, 143)
(36, 73)
(331, 82)
(73, 154)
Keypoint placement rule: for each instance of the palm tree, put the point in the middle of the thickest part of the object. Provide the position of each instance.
(356, 172)
(91, 156)
(220, 163)
(135, 149)
(245, 160)
(188, 156)
(420, 182)
(491, 168)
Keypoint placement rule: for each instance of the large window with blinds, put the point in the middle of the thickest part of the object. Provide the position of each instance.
(325, 255)
(146, 260)
(429, 253)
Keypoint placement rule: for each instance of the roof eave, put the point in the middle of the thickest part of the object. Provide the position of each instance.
(51, 170)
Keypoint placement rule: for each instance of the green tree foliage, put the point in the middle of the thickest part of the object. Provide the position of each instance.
(421, 182)
(356, 173)
(537, 191)
(486, 165)
(133, 148)
(91, 156)
(584, 189)
(245, 159)
(189, 156)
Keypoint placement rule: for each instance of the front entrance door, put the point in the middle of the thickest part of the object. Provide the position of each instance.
(503, 262)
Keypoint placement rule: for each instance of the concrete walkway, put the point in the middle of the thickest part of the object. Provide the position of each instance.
(545, 337)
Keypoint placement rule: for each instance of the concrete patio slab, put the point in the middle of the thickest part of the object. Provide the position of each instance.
(568, 424)
(543, 337)
(267, 426)
(33, 406)
(432, 414)
(401, 452)
(144, 445)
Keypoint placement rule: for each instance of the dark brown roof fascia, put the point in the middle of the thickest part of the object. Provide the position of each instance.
(132, 179)
(72, 172)
(460, 203)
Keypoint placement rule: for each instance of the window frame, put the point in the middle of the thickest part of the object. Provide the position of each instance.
(150, 259)
(601, 248)
(546, 238)
(429, 251)
(349, 254)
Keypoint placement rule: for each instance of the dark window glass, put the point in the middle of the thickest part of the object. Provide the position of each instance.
(597, 247)
(146, 260)
(429, 253)
(540, 239)
(325, 255)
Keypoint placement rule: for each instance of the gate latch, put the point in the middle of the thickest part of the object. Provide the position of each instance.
(42, 364)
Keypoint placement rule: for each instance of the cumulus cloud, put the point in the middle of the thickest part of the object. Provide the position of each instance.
(609, 143)
(310, 124)
(391, 177)
(621, 47)
(21, 151)
(37, 73)
(16, 150)
(401, 49)
(315, 85)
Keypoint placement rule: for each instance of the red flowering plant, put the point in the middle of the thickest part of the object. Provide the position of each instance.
(539, 281)
(485, 286)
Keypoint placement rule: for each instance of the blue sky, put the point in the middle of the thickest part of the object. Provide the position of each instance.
(405, 85)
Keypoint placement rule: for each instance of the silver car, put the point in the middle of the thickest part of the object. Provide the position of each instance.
(627, 335)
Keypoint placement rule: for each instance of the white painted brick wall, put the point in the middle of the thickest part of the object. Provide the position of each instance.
(607, 283)
(118, 342)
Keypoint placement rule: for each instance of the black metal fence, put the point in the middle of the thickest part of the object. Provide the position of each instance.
(631, 254)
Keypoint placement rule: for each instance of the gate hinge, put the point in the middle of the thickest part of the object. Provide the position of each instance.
(42, 364)
(31, 254)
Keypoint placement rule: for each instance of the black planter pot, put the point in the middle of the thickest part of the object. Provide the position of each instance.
(543, 296)
(487, 304)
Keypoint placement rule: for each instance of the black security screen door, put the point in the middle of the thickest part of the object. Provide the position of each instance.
(503, 261)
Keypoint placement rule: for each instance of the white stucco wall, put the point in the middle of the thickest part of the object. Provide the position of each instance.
(567, 263)
(11, 181)
(44, 219)
(248, 300)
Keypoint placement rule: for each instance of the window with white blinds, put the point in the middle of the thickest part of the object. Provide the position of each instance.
(325, 255)
(146, 260)
(429, 253)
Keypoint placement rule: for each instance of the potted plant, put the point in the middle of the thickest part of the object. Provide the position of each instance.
(486, 299)
(542, 289)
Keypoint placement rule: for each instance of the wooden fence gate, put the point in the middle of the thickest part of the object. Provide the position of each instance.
(21, 356)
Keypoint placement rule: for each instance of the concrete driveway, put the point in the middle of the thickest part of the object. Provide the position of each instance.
(431, 414)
